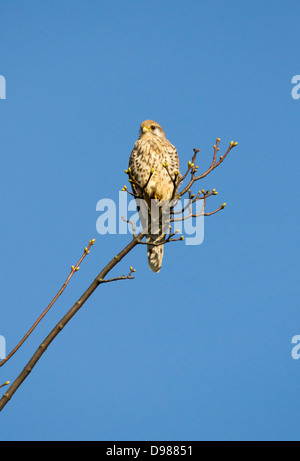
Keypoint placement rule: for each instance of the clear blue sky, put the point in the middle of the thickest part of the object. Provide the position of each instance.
(201, 351)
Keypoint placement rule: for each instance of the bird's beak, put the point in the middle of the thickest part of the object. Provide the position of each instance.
(145, 128)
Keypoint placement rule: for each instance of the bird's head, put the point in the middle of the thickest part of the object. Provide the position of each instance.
(149, 127)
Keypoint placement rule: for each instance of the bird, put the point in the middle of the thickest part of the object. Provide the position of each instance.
(154, 165)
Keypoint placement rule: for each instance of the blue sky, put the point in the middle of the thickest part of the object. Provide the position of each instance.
(202, 350)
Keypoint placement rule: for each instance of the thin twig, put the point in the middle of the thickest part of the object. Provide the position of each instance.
(101, 276)
(134, 183)
(167, 240)
(66, 318)
(73, 270)
(132, 225)
(128, 277)
(5, 384)
(202, 213)
(124, 188)
(213, 165)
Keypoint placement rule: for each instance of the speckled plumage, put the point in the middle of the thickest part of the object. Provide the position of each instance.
(150, 151)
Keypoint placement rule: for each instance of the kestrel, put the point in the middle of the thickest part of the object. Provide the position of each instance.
(151, 151)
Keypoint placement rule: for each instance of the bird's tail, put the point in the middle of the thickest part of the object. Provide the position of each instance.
(155, 252)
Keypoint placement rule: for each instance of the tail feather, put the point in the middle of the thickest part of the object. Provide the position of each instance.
(155, 252)
(157, 228)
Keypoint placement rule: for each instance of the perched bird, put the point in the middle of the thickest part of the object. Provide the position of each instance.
(154, 164)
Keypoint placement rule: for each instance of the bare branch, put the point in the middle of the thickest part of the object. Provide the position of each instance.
(167, 240)
(134, 183)
(5, 384)
(213, 165)
(73, 270)
(128, 277)
(66, 318)
(124, 188)
(202, 213)
(132, 225)
(137, 239)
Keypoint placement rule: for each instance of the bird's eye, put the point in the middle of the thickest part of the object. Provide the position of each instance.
(153, 127)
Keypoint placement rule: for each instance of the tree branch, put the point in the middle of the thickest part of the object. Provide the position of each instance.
(73, 270)
(100, 279)
(5, 384)
(67, 317)
(192, 168)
